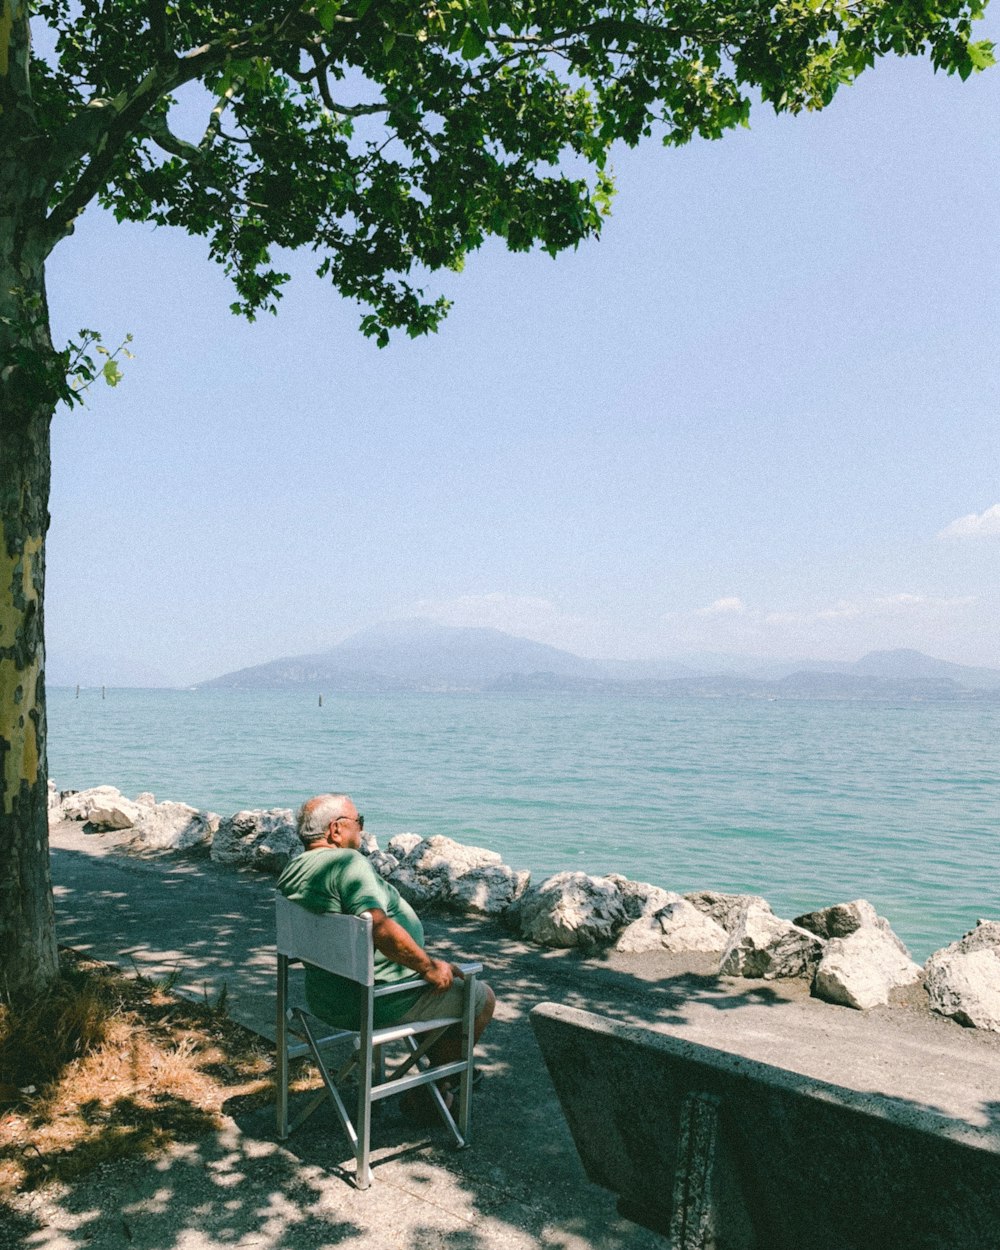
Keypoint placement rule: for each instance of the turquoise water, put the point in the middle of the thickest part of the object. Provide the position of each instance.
(807, 803)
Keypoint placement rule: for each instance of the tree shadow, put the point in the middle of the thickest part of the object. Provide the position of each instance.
(520, 1184)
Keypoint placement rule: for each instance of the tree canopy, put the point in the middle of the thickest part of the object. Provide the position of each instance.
(392, 137)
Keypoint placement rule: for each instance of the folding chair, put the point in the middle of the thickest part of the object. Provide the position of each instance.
(343, 945)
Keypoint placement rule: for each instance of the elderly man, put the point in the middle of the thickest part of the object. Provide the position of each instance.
(331, 875)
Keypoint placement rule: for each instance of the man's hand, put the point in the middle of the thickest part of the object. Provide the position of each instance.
(440, 975)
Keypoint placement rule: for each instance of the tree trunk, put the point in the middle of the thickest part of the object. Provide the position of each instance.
(32, 376)
(27, 923)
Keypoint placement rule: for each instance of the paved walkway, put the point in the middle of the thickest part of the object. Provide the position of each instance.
(521, 1184)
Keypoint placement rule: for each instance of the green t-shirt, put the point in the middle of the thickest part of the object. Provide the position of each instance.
(344, 881)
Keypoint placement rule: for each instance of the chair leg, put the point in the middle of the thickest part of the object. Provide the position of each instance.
(330, 1085)
(435, 1093)
(468, 1049)
(281, 1091)
(366, 1059)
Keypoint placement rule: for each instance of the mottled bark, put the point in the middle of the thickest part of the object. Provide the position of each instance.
(27, 929)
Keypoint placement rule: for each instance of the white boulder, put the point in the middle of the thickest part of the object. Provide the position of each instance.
(725, 909)
(679, 926)
(843, 919)
(762, 945)
(641, 898)
(424, 887)
(55, 798)
(572, 909)
(264, 840)
(403, 843)
(174, 827)
(963, 979)
(685, 928)
(863, 960)
(859, 970)
(383, 863)
(488, 890)
(102, 807)
(640, 936)
(439, 871)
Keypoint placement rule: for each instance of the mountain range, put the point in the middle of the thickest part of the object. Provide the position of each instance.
(420, 655)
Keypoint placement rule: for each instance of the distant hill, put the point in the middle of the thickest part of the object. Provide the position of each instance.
(908, 664)
(415, 655)
(419, 655)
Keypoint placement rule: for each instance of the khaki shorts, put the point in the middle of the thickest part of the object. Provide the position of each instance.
(448, 1003)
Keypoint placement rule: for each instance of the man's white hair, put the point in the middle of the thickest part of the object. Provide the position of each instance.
(316, 814)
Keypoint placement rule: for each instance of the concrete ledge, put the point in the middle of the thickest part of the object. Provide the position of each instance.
(717, 1150)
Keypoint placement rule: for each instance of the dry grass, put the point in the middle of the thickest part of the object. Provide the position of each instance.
(105, 1066)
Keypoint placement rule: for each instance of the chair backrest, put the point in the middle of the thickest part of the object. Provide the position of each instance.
(336, 943)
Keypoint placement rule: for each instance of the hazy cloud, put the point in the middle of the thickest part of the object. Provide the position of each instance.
(841, 610)
(975, 525)
(837, 629)
(732, 606)
(903, 600)
(882, 605)
(922, 602)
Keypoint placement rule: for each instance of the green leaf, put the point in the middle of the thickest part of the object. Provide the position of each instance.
(981, 55)
(112, 374)
(327, 14)
(473, 45)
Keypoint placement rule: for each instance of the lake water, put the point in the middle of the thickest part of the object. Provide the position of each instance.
(805, 802)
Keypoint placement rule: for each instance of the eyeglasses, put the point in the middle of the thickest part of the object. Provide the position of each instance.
(359, 820)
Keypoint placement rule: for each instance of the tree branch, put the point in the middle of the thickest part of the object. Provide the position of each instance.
(215, 117)
(223, 134)
(100, 129)
(164, 138)
(318, 74)
(103, 126)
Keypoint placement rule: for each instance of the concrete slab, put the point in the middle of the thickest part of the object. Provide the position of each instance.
(724, 1151)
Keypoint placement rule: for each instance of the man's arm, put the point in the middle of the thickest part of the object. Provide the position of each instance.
(396, 944)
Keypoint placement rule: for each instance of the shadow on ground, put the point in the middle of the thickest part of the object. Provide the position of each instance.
(520, 1185)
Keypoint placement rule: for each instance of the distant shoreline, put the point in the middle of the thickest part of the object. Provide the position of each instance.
(420, 656)
(842, 690)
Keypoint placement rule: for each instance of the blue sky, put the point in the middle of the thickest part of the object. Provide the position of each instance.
(759, 416)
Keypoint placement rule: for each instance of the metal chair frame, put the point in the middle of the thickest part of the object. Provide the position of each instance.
(343, 945)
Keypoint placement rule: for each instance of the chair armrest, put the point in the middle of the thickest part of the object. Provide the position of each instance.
(400, 987)
(381, 991)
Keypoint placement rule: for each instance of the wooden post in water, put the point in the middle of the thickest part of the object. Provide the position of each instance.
(78, 692)
(102, 692)
(321, 700)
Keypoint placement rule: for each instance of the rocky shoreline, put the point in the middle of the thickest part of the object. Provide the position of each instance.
(846, 952)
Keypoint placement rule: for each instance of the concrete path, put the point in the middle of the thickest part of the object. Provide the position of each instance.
(521, 1184)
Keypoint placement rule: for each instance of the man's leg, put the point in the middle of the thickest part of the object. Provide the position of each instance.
(446, 1050)
(449, 1047)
